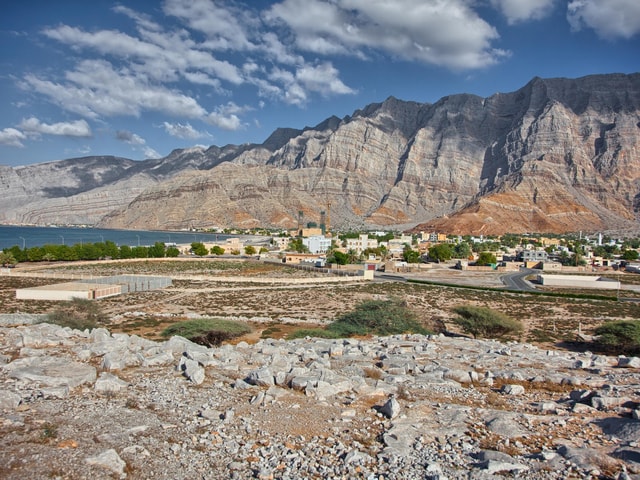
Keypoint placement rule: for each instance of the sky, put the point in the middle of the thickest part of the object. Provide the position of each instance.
(140, 78)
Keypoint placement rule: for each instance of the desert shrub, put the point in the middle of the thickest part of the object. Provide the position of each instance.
(209, 332)
(371, 317)
(620, 337)
(484, 322)
(79, 314)
(377, 317)
(49, 431)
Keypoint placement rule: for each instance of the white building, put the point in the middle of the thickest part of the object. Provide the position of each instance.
(317, 243)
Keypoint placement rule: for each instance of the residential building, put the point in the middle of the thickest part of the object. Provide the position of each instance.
(281, 243)
(534, 256)
(361, 243)
(317, 244)
(433, 237)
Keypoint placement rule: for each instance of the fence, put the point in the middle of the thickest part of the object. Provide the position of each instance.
(132, 283)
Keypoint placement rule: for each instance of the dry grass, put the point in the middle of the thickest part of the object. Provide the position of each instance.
(277, 309)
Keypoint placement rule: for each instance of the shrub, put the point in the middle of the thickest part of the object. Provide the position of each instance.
(378, 317)
(209, 332)
(371, 317)
(79, 314)
(484, 322)
(620, 337)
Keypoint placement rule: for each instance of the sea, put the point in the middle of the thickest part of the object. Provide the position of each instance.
(27, 236)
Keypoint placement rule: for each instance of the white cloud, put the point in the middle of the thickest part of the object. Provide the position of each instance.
(446, 33)
(322, 78)
(12, 137)
(226, 27)
(183, 130)
(517, 11)
(611, 19)
(79, 128)
(150, 153)
(96, 89)
(226, 116)
(163, 56)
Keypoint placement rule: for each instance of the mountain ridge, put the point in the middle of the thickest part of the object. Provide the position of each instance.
(555, 155)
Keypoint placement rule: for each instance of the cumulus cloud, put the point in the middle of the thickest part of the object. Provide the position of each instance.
(611, 19)
(322, 78)
(517, 11)
(184, 130)
(446, 33)
(225, 26)
(11, 137)
(79, 128)
(95, 88)
(226, 116)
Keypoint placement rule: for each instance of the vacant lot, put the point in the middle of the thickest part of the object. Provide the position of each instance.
(210, 288)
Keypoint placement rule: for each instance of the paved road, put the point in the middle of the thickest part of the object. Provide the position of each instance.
(516, 280)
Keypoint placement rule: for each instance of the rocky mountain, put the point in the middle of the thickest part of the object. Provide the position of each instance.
(556, 155)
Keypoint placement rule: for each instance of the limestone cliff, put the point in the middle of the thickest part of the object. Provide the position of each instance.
(556, 155)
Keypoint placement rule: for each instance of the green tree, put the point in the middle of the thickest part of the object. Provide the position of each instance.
(250, 250)
(510, 240)
(410, 255)
(619, 337)
(630, 255)
(35, 254)
(125, 252)
(217, 250)
(110, 250)
(338, 257)
(19, 254)
(172, 252)
(486, 258)
(296, 245)
(440, 253)
(484, 322)
(157, 250)
(462, 250)
(7, 259)
(199, 249)
(140, 252)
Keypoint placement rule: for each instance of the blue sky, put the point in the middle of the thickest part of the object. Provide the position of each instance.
(139, 78)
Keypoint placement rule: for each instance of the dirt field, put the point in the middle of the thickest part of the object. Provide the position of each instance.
(204, 288)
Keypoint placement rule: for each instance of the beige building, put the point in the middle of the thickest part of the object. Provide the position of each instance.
(361, 243)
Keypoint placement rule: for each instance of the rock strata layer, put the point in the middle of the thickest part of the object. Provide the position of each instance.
(556, 155)
(400, 407)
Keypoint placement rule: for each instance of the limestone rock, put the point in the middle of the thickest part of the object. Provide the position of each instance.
(464, 163)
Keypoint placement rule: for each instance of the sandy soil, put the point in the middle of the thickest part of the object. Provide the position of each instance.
(275, 309)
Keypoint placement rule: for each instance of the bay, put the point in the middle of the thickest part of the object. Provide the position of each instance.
(27, 236)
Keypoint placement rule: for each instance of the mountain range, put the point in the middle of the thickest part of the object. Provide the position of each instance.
(557, 155)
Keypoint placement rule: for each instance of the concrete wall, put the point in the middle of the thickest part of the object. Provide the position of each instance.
(578, 281)
(68, 291)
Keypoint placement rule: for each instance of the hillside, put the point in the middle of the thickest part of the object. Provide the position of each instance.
(556, 155)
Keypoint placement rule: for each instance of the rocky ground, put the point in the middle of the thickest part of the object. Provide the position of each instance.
(101, 405)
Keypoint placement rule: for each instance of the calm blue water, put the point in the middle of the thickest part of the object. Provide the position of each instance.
(26, 237)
